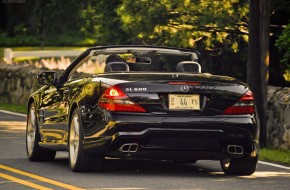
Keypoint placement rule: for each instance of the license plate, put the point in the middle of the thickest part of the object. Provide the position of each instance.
(184, 102)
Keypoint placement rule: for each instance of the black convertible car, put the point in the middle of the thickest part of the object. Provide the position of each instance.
(142, 102)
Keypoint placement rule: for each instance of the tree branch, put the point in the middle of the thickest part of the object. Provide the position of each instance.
(208, 29)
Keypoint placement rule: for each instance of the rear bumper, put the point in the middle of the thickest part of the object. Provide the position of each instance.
(176, 138)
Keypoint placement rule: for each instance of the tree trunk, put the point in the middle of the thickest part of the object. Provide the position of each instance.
(258, 59)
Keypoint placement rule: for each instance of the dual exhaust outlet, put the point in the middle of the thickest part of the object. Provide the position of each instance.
(130, 147)
(133, 147)
(235, 149)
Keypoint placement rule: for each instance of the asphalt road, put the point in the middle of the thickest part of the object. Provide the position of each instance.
(17, 172)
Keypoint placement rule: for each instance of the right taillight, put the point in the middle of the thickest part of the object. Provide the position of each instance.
(114, 99)
(245, 105)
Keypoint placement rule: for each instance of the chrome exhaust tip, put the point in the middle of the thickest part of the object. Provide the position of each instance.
(235, 149)
(130, 147)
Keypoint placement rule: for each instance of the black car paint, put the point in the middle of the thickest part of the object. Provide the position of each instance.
(210, 130)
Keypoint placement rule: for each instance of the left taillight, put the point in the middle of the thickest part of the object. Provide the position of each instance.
(114, 99)
(245, 105)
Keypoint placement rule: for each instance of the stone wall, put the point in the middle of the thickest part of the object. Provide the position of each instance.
(278, 126)
(17, 82)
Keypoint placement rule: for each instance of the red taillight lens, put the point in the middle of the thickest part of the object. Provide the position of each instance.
(114, 93)
(248, 96)
(114, 99)
(240, 110)
(185, 83)
(244, 106)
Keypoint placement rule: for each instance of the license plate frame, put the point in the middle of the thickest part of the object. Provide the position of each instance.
(184, 102)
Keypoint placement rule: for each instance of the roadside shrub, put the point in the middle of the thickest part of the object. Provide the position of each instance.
(283, 44)
(61, 40)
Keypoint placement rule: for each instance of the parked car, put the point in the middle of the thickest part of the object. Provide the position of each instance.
(142, 102)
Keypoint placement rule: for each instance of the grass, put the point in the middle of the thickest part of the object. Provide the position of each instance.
(14, 108)
(278, 155)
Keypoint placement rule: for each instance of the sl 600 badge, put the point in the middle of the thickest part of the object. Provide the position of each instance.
(136, 89)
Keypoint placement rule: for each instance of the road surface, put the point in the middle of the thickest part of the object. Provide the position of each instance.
(17, 172)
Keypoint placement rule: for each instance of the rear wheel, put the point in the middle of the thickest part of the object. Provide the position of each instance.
(239, 166)
(81, 161)
(33, 150)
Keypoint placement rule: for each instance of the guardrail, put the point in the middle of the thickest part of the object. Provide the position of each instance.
(9, 54)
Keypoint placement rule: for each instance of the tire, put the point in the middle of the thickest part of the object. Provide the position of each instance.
(192, 161)
(186, 161)
(239, 166)
(79, 160)
(33, 150)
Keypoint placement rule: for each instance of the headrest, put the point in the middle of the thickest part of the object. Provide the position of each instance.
(116, 66)
(188, 66)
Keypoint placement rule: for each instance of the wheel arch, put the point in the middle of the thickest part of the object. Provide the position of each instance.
(72, 108)
(30, 101)
(33, 99)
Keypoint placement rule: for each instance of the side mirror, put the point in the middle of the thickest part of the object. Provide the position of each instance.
(47, 78)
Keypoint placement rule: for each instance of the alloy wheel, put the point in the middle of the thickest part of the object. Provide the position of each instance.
(74, 139)
(31, 131)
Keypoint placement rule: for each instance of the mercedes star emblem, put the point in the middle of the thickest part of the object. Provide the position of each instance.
(185, 88)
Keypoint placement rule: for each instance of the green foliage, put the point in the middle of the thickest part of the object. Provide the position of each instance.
(42, 23)
(217, 26)
(19, 40)
(101, 19)
(197, 23)
(283, 43)
(211, 25)
(61, 40)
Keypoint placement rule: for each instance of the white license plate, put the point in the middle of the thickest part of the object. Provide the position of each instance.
(184, 102)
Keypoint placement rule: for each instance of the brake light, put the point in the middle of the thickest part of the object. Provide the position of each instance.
(245, 105)
(185, 83)
(114, 99)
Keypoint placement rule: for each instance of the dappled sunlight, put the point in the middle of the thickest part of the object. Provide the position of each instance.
(12, 126)
(124, 188)
(256, 175)
(266, 174)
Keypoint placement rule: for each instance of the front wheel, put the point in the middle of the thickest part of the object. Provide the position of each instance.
(239, 166)
(33, 150)
(81, 161)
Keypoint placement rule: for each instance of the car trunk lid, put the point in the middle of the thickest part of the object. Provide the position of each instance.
(179, 94)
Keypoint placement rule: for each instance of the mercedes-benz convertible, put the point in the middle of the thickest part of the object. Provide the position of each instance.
(142, 102)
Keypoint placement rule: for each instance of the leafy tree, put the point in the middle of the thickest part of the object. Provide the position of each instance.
(202, 24)
(280, 17)
(102, 22)
(47, 21)
(283, 43)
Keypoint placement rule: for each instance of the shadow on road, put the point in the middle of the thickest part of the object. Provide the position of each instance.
(143, 167)
(200, 169)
